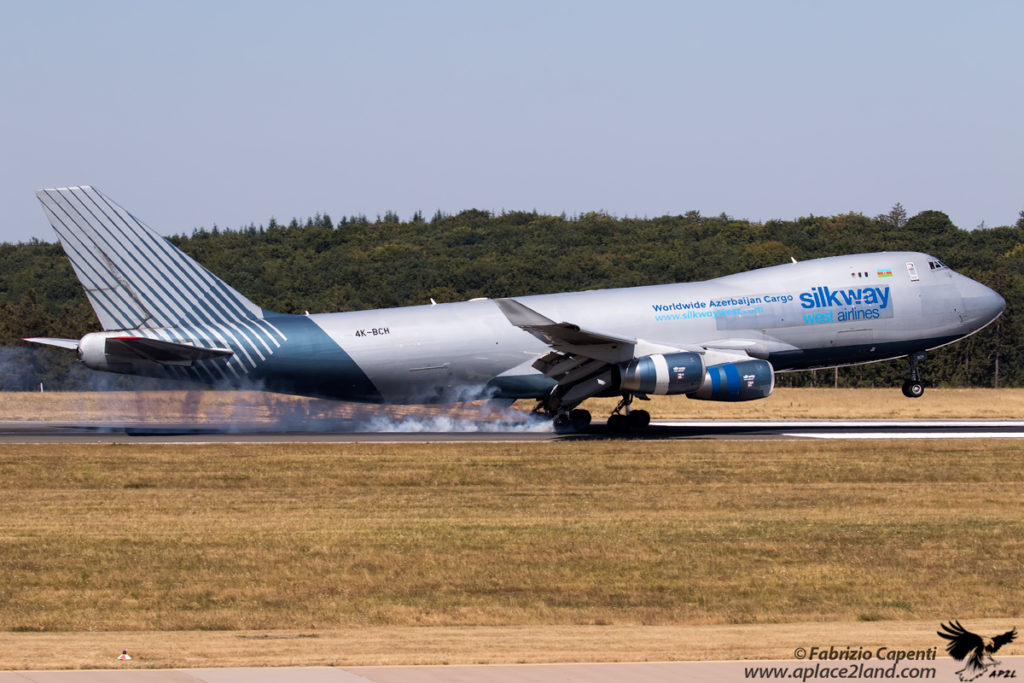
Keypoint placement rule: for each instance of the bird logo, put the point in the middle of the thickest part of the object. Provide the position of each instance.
(972, 649)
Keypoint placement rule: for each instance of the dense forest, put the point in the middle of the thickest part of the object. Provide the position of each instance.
(356, 263)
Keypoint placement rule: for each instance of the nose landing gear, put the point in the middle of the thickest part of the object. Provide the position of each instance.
(914, 386)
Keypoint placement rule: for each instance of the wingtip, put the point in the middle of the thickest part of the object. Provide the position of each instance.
(53, 341)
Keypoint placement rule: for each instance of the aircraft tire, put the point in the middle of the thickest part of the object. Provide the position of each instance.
(579, 419)
(618, 424)
(561, 422)
(913, 389)
(639, 419)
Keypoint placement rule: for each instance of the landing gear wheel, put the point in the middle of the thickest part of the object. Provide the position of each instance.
(638, 419)
(579, 419)
(914, 386)
(575, 421)
(622, 422)
(618, 423)
(912, 389)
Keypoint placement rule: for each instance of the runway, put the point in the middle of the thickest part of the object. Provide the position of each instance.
(751, 430)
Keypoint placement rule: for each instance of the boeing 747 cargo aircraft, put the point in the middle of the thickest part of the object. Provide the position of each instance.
(164, 315)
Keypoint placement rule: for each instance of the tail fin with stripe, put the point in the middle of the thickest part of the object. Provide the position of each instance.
(134, 278)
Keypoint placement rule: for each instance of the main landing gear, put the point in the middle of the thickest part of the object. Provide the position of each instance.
(914, 386)
(621, 421)
(575, 420)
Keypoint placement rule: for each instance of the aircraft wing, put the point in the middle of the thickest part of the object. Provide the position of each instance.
(582, 362)
(567, 337)
(585, 363)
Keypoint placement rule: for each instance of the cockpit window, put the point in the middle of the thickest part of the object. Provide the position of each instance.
(935, 265)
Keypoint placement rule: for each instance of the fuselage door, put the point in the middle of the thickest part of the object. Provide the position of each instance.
(912, 271)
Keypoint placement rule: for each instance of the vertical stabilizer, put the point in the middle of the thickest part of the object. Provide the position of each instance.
(134, 278)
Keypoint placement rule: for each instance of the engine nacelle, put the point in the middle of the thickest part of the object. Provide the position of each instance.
(740, 381)
(92, 350)
(669, 373)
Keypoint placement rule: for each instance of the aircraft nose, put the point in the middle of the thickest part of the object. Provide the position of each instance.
(983, 304)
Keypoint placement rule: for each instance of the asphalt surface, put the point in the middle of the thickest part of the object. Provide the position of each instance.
(48, 432)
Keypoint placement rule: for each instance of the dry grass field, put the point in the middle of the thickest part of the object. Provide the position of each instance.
(215, 555)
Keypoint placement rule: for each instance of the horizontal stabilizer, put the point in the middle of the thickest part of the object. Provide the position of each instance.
(160, 351)
(53, 341)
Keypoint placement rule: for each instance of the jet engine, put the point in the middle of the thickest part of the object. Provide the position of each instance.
(739, 381)
(669, 373)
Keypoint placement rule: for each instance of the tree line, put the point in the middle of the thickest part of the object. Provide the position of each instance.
(318, 265)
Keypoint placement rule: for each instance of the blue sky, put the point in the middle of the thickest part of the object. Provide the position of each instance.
(192, 114)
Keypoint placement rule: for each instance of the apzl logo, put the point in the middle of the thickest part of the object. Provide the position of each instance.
(976, 652)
